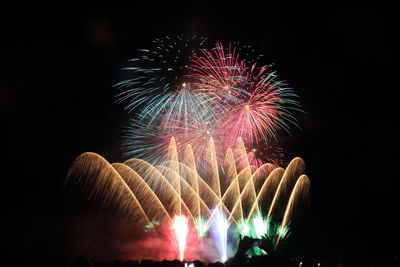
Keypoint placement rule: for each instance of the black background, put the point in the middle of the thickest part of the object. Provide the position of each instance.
(58, 65)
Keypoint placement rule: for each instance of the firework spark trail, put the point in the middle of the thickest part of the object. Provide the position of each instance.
(219, 231)
(260, 225)
(300, 189)
(180, 227)
(290, 176)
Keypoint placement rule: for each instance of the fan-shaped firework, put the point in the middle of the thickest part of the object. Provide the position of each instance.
(175, 194)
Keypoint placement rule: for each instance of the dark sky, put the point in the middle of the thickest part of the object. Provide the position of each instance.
(58, 65)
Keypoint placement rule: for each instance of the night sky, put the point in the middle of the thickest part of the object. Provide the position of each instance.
(58, 66)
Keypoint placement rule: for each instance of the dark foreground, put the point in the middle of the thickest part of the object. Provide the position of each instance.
(349, 259)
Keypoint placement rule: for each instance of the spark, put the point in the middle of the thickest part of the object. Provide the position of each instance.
(201, 225)
(219, 230)
(180, 228)
(260, 226)
(243, 227)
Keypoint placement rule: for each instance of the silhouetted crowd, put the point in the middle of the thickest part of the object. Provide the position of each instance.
(258, 261)
(351, 258)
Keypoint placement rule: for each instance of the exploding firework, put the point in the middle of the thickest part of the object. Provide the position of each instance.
(157, 73)
(219, 74)
(219, 95)
(258, 104)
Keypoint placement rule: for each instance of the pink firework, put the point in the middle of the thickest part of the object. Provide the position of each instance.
(257, 116)
(218, 73)
(257, 105)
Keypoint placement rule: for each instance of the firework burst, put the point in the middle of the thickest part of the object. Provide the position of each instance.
(157, 73)
(219, 73)
(258, 105)
(204, 93)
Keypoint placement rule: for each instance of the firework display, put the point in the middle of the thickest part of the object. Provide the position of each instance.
(215, 93)
(201, 148)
